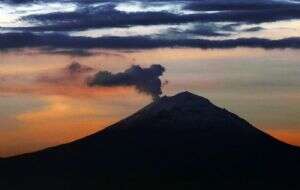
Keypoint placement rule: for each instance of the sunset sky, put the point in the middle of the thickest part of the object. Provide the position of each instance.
(71, 68)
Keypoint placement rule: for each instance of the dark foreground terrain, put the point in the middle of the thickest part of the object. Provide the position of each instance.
(179, 142)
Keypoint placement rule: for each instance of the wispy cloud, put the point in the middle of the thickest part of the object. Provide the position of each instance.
(73, 73)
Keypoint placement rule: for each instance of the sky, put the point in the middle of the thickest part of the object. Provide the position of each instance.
(71, 68)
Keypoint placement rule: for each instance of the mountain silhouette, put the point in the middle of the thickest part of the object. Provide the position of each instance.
(178, 142)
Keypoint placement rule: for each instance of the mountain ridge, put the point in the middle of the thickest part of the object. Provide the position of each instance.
(183, 138)
(176, 101)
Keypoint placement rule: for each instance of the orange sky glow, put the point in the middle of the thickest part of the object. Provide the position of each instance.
(259, 85)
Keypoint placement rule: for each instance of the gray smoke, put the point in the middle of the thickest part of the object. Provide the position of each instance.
(145, 80)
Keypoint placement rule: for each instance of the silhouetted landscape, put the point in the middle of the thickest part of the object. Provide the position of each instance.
(178, 142)
(74, 73)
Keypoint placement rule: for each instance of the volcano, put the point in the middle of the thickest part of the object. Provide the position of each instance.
(178, 142)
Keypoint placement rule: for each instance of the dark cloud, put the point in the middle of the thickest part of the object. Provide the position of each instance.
(102, 17)
(105, 15)
(82, 20)
(56, 1)
(51, 31)
(145, 80)
(19, 1)
(212, 29)
(254, 29)
(239, 5)
(54, 41)
(199, 30)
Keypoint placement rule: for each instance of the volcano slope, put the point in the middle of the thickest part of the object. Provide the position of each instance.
(178, 142)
